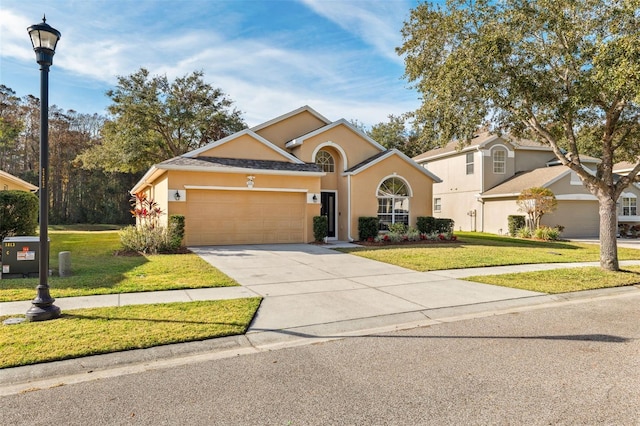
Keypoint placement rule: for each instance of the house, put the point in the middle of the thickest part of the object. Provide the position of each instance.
(481, 182)
(265, 184)
(10, 182)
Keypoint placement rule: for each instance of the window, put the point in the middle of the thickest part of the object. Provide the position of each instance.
(470, 163)
(325, 161)
(499, 161)
(393, 202)
(629, 207)
(437, 204)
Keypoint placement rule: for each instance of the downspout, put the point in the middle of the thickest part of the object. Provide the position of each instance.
(481, 192)
(349, 237)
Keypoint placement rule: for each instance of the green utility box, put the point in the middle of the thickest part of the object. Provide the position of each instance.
(20, 257)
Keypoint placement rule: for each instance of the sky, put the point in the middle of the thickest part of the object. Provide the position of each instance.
(270, 57)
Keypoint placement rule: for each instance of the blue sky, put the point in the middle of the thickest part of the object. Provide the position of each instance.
(270, 57)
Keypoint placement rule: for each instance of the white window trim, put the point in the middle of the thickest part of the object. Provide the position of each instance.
(494, 162)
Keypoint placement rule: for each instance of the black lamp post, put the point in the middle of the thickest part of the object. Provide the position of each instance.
(44, 39)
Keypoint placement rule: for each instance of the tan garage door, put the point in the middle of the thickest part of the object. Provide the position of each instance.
(579, 218)
(244, 217)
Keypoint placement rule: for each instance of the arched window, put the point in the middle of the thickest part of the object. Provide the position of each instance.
(393, 202)
(325, 161)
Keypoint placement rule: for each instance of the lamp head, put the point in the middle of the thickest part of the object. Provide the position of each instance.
(44, 39)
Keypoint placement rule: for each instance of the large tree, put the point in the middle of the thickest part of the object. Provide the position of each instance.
(395, 134)
(564, 72)
(153, 119)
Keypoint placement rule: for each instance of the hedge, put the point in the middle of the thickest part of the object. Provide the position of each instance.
(368, 227)
(18, 213)
(320, 228)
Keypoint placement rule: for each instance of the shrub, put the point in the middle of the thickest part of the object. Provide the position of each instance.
(515, 222)
(149, 240)
(426, 224)
(176, 227)
(320, 227)
(546, 233)
(367, 227)
(18, 213)
(444, 226)
(398, 228)
(524, 232)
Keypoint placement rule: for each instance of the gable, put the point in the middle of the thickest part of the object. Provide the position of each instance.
(355, 145)
(245, 147)
(11, 182)
(289, 126)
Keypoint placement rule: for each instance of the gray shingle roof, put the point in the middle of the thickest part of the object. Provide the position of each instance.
(239, 163)
(367, 161)
(533, 178)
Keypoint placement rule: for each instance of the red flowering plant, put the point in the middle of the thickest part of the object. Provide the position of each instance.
(145, 210)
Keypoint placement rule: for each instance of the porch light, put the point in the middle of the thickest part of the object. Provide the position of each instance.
(176, 196)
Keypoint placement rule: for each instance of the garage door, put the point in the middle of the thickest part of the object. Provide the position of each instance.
(579, 218)
(244, 217)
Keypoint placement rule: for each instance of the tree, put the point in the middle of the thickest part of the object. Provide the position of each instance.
(154, 119)
(395, 134)
(563, 72)
(535, 202)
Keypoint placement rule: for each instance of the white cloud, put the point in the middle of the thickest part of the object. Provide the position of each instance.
(265, 73)
(377, 23)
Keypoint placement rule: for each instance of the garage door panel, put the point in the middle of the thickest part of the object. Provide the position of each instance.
(245, 217)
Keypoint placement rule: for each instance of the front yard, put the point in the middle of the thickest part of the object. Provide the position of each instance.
(473, 250)
(96, 270)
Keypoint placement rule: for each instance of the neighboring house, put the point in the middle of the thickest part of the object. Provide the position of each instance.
(265, 184)
(482, 181)
(10, 182)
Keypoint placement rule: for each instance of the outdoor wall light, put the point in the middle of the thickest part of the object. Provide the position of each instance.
(315, 198)
(250, 181)
(176, 196)
(44, 39)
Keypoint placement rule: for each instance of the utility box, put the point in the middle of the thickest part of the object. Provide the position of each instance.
(21, 257)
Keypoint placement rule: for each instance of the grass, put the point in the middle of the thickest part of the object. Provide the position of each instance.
(103, 330)
(96, 270)
(478, 250)
(563, 280)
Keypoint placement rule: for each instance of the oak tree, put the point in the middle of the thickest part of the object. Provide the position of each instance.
(154, 119)
(563, 72)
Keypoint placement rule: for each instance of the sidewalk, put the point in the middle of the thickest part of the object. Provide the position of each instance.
(311, 294)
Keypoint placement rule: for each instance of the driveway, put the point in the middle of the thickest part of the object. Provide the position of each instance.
(306, 286)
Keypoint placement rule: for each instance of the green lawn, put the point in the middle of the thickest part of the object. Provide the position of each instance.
(102, 330)
(478, 250)
(96, 270)
(473, 250)
(564, 280)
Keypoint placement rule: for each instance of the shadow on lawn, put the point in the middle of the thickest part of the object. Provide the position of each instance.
(151, 320)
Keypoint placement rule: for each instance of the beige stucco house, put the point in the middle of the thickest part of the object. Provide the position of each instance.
(265, 184)
(482, 181)
(11, 182)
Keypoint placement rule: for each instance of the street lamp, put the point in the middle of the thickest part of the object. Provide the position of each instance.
(44, 39)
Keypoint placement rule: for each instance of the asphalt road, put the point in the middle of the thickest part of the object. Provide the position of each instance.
(570, 364)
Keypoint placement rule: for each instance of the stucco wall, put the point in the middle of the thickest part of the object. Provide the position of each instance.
(245, 147)
(284, 131)
(365, 185)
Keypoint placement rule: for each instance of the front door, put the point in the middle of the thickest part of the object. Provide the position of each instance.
(328, 200)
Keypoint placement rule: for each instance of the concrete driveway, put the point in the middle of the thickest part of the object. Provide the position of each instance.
(307, 286)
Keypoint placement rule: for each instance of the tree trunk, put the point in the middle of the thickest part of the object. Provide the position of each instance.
(608, 232)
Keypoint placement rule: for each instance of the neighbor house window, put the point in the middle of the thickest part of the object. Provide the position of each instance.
(629, 207)
(393, 202)
(325, 161)
(499, 161)
(437, 204)
(470, 163)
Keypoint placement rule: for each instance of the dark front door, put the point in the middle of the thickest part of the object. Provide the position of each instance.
(328, 200)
